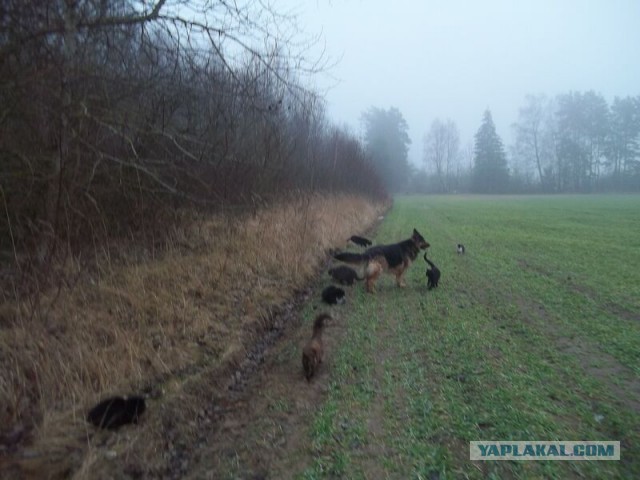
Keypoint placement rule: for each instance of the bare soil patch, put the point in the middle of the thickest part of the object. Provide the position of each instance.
(618, 378)
(264, 430)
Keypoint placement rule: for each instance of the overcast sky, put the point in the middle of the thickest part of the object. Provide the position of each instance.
(454, 58)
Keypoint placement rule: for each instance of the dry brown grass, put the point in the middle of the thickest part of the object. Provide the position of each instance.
(139, 325)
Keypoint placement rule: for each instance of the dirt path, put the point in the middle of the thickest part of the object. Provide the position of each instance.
(262, 429)
(254, 424)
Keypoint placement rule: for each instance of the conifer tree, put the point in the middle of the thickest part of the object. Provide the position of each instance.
(490, 171)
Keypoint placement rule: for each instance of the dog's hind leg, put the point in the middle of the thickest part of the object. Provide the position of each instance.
(372, 273)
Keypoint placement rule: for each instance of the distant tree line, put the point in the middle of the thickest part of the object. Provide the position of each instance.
(578, 143)
(116, 113)
(574, 143)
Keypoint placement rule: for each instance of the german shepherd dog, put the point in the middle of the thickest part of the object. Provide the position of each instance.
(394, 258)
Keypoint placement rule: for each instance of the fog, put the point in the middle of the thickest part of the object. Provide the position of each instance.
(455, 59)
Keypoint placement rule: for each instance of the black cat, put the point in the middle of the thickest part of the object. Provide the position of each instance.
(114, 412)
(361, 241)
(344, 275)
(433, 273)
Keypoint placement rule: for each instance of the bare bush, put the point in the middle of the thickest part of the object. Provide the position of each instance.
(117, 113)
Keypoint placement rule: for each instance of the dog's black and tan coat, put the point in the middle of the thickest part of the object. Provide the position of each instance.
(394, 258)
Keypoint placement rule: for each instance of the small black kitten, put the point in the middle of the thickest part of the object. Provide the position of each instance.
(344, 275)
(333, 295)
(460, 248)
(433, 273)
(361, 241)
(114, 412)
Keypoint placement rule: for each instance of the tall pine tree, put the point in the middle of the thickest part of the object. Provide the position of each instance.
(490, 171)
(387, 141)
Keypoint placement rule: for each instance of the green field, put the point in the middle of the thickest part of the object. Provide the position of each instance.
(534, 334)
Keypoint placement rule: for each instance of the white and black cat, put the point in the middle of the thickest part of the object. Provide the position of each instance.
(333, 295)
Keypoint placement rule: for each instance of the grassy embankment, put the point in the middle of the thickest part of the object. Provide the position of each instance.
(149, 324)
(534, 334)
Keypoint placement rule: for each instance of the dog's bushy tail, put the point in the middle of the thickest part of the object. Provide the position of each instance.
(353, 258)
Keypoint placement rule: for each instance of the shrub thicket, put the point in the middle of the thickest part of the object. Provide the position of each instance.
(117, 113)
